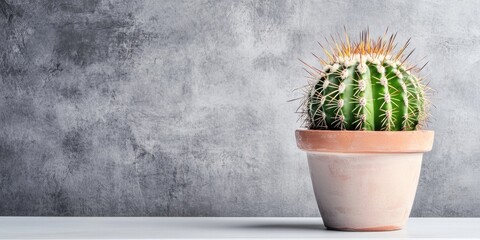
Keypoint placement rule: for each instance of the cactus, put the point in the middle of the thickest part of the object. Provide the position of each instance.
(365, 85)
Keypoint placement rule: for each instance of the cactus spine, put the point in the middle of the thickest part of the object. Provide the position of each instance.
(365, 86)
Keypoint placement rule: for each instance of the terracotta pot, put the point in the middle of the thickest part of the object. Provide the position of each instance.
(364, 180)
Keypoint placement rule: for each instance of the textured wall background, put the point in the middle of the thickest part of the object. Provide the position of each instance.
(178, 108)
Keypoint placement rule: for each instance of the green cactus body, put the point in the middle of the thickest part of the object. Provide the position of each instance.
(365, 92)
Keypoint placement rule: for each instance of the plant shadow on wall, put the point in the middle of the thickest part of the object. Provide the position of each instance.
(364, 111)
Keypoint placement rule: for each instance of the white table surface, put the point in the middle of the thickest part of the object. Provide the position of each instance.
(219, 228)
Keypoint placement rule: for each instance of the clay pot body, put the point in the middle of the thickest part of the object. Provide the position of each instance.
(364, 181)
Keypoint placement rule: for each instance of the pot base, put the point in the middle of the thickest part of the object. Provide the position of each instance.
(373, 229)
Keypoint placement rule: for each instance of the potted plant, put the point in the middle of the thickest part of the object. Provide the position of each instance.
(363, 113)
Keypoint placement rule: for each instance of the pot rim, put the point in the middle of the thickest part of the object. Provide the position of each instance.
(345, 141)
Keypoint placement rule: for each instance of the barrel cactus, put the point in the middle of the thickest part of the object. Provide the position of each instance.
(365, 85)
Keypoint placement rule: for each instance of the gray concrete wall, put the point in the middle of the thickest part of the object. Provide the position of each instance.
(178, 108)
